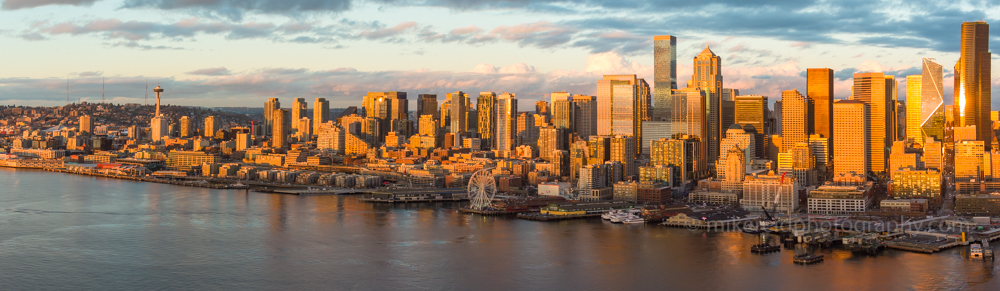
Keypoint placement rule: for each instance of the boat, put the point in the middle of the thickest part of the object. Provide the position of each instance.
(632, 219)
(618, 218)
(764, 248)
(975, 251)
(806, 259)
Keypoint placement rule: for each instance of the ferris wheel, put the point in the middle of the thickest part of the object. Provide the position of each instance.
(482, 189)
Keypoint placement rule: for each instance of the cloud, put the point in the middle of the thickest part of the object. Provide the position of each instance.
(236, 9)
(220, 71)
(90, 74)
(23, 4)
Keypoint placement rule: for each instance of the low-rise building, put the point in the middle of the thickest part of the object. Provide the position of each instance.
(840, 199)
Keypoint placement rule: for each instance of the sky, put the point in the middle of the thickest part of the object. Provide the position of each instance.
(221, 53)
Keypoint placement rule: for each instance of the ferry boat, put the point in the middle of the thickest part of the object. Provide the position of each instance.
(975, 251)
(807, 259)
(633, 219)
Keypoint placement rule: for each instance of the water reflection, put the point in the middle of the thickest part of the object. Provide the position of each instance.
(88, 233)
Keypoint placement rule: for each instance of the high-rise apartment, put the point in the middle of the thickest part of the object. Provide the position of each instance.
(321, 113)
(210, 126)
(850, 146)
(795, 111)
(487, 115)
(280, 125)
(563, 111)
(623, 150)
(708, 76)
(506, 135)
(86, 124)
(972, 81)
(299, 109)
(186, 129)
(269, 107)
(871, 88)
(542, 107)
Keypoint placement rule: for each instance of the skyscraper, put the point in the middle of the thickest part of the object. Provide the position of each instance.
(563, 111)
(913, 105)
(459, 114)
(689, 115)
(487, 115)
(620, 105)
(795, 111)
(299, 109)
(819, 90)
(623, 149)
(269, 107)
(972, 81)
(751, 110)
(891, 111)
(870, 88)
(728, 111)
(664, 75)
(585, 116)
(279, 134)
(186, 128)
(527, 130)
(210, 126)
(931, 109)
(427, 104)
(506, 123)
(321, 113)
(542, 107)
(86, 124)
(708, 76)
(850, 126)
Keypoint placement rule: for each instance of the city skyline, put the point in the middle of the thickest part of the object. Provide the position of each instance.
(211, 68)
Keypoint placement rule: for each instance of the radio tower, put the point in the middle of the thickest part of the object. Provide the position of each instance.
(158, 91)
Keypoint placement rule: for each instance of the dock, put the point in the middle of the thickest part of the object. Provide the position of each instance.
(538, 216)
(417, 195)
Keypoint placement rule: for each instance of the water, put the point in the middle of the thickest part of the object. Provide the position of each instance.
(60, 231)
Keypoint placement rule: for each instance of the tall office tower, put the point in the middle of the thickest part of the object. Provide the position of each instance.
(970, 160)
(664, 75)
(299, 109)
(913, 105)
(210, 126)
(585, 117)
(728, 111)
(427, 104)
(527, 130)
(600, 149)
(487, 115)
(305, 129)
(186, 129)
(620, 106)
(542, 107)
(506, 135)
(932, 115)
(550, 139)
(401, 105)
(752, 110)
(445, 113)
(623, 151)
(689, 114)
(321, 113)
(642, 104)
(685, 152)
(279, 132)
(459, 113)
(870, 88)
(820, 146)
(776, 117)
(563, 111)
(891, 113)
(86, 124)
(708, 76)
(819, 90)
(972, 81)
(900, 120)
(428, 125)
(269, 107)
(795, 111)
(850, 134)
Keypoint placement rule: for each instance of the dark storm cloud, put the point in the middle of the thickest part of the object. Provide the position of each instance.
(22, 4)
